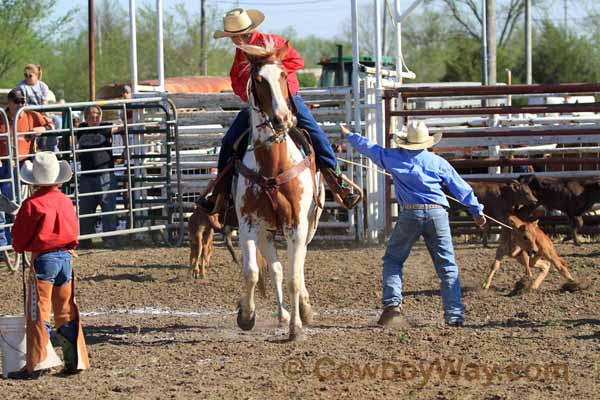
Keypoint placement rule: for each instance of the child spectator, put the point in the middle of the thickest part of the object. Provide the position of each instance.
(36, 91)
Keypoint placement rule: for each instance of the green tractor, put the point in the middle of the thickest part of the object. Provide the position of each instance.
(336, 73)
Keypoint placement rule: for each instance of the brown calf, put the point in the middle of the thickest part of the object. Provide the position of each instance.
(201, 235)
(531, 247)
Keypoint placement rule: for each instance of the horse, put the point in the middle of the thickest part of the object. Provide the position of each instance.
(278, 189)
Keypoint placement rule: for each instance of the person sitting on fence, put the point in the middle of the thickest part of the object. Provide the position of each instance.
(46, 225)
(36, 91)
(97, 174)
(418, 178)
(240, 26)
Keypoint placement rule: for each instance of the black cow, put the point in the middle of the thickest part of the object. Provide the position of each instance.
(573, 196)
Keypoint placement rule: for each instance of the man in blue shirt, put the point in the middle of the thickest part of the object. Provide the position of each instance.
(418, 178)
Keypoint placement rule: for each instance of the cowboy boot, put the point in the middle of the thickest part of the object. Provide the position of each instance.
(342, 192)
(70, 356)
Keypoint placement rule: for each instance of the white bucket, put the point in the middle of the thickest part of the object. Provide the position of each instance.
(14, 346)
(12, 343)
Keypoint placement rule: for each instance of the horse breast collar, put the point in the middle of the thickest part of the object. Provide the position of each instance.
(270, 185)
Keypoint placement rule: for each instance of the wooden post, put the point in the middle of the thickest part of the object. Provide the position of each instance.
(203, 45)
(491, 40)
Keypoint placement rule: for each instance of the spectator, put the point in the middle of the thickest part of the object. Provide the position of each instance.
(36, 91)
(29, 121)
(95, 178)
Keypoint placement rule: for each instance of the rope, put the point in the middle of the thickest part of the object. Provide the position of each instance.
(449, 197)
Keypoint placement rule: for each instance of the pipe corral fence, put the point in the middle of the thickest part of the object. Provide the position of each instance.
(143, 177)
(488, 138)
(204, 119)
(166, 149)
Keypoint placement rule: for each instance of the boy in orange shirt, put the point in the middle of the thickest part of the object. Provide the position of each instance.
(47, 226)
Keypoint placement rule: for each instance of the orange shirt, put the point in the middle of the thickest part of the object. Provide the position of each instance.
(27, 121)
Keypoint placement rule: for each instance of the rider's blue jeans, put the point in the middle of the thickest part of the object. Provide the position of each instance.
(323, 150)
(434, 226)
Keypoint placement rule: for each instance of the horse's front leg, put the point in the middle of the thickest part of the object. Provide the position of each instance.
(246, 312)
(296, 239)
(267, 248)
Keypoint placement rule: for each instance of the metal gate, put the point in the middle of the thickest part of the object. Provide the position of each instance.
(147, 181)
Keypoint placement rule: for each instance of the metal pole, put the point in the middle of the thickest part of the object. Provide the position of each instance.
(485, 79)
(133, 47)
(528, 44)
(398, 42)
(357, 108)
(340, 81)
(160, 47)
(91, 49)
(379, 117)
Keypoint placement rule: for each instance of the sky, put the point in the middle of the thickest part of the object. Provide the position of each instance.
(324, 18)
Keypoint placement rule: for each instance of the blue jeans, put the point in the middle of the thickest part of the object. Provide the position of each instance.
(5, 189)
(434, 226)
(107, 201)
(324, 152)
(55, 266)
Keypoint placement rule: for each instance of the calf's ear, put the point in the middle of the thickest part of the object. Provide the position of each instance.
(536, 222)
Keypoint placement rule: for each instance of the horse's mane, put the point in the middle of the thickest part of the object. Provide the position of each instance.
(265, 51)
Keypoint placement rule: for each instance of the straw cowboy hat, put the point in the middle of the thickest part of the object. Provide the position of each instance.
(45, 170)
(417, 137)
(239, 22)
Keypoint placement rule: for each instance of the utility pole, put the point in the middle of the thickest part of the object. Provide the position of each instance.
(528, 44)
(91, 44)
(385, 8)
(203, 47)
(565, 14)
(491, 40)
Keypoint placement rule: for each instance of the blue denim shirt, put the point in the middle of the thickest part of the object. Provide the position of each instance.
(418, 175)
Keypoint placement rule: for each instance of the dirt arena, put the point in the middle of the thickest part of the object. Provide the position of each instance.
(154, 333)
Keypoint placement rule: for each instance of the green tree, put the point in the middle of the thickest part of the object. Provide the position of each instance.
(25, 30)
(562, 56)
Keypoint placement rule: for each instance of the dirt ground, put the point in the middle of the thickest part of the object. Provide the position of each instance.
(154, 333)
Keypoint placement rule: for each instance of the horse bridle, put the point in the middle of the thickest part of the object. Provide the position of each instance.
(278, 136)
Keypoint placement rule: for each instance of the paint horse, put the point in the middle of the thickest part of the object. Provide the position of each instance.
(278, 188)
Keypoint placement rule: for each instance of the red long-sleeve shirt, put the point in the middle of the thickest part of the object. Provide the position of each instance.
(240, 71)
(46, 221)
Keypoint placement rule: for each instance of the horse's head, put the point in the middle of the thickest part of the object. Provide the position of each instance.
(268, 85)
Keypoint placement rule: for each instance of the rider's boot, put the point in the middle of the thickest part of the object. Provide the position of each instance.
(343, 193)
(217, 194)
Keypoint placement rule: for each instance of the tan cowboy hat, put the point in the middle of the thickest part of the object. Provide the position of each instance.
(46, 170)
(417, 137)
(239, 22)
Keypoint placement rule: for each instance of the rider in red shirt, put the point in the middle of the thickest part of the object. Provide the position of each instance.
(240, 25)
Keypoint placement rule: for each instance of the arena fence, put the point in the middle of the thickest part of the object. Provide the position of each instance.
(486, 137)
(204, 119)
(147, 180)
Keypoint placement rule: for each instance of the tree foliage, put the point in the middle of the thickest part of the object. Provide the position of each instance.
(436, 45)
(25, 29)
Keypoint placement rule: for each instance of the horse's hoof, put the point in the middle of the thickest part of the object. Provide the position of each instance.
(306, 313)
(297, 335)
(246, 324)
(284, 319)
